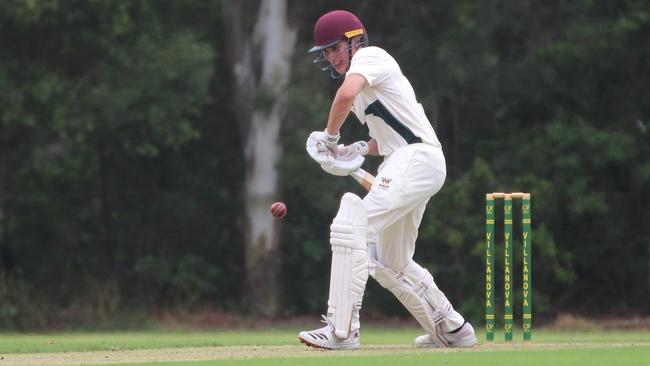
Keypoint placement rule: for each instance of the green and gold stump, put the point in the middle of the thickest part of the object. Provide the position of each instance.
(508, 263)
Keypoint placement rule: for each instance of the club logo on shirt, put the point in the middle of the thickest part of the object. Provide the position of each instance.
(385, 182)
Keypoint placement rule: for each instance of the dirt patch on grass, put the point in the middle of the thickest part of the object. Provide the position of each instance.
(248, 352)
(566, 321)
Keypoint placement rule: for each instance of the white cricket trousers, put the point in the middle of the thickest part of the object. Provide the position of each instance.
(395, 204)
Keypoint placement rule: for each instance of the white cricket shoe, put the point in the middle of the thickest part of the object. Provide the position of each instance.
(461, 337)
(324, 338)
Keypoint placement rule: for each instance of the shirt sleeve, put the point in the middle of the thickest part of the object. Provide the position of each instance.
(371, 64)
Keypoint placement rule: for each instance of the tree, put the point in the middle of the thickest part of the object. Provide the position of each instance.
(261, 59)
(96, 97)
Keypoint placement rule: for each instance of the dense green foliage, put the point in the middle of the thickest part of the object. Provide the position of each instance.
(112, 185)
(120, 169)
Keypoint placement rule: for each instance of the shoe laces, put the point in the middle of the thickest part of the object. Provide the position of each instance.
(327, 321)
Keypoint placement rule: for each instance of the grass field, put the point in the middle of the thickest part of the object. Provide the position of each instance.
(380, 346)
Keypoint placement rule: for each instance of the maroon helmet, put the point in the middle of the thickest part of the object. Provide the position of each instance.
(336, 26)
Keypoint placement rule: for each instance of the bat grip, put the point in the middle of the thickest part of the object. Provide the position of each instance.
(364, 178)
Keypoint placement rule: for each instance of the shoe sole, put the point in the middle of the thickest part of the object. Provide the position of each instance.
(314, 345)
(459, 344)
(465, 343)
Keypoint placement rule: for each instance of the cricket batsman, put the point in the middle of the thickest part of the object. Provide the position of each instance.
(376, 235)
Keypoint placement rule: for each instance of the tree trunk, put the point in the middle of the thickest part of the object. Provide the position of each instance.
(260, 61)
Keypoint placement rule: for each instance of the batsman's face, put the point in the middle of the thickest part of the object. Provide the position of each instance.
(338, 56)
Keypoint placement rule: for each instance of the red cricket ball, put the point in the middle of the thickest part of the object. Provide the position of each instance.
(278, 209)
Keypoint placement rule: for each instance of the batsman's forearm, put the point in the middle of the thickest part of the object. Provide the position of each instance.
(372, 147)
(339, 112)
(342, 104)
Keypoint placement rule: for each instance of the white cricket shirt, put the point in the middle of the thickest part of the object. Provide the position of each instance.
(388, 104)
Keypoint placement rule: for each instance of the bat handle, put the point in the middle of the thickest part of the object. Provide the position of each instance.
(364, 178)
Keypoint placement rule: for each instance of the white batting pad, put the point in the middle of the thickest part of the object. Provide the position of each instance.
(349, 271)
(319, 152)
(416, 290)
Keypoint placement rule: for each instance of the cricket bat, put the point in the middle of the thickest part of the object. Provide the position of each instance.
(364, 178)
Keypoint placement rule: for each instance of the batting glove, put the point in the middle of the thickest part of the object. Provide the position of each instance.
(350, 151)
(330, 141)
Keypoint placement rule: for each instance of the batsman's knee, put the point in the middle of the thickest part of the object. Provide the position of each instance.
(350, 226)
